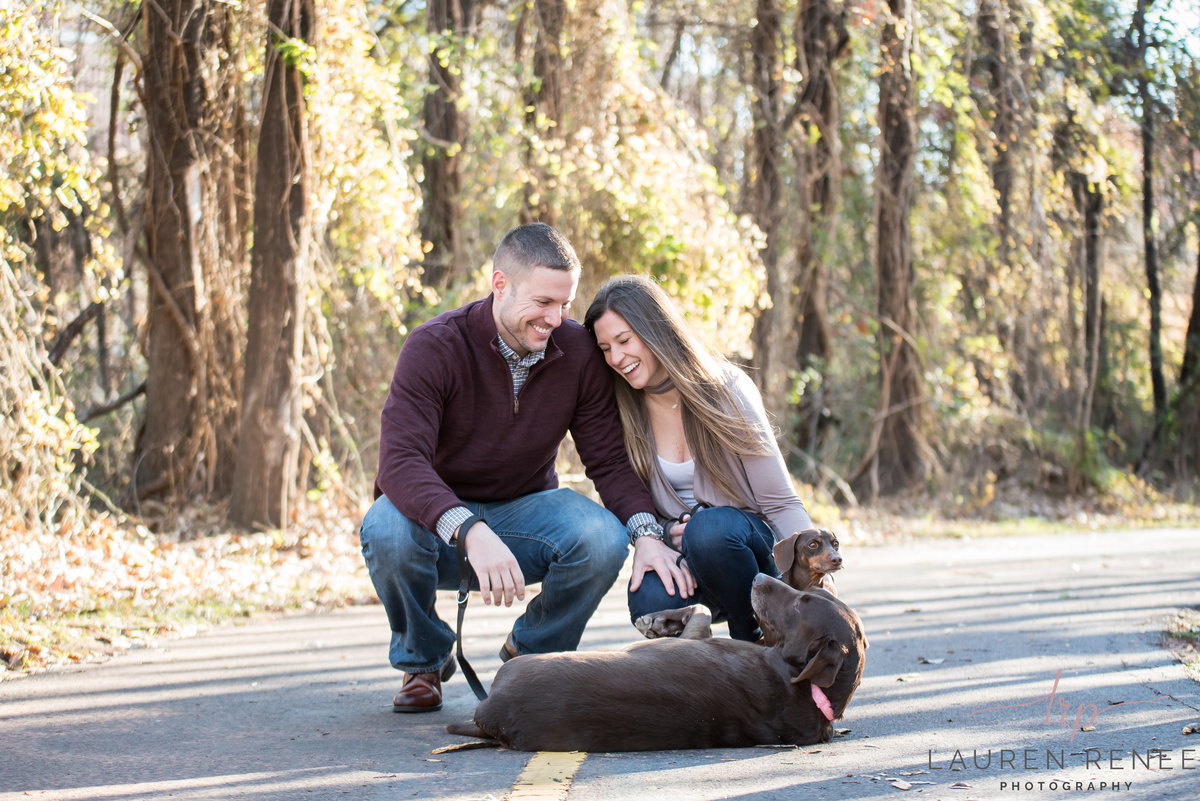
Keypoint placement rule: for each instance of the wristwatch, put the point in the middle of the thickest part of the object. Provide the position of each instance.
(650, 529)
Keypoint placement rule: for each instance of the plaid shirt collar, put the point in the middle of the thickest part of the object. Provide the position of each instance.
(510, 355)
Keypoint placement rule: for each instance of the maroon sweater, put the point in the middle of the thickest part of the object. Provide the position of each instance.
(452, 431)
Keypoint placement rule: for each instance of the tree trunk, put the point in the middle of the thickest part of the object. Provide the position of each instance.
(767, 191)
(1153, 289)
(1189, 369)
(898, 455)
(1089, 202)
(191, 251)
(992, 25)
(543, 99)
(223, 325)
(440, 214)
(1188, 456)
(269, 440)
(821, 37)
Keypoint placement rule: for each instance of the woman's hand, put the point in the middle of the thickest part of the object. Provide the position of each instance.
(652, 554)
(500, 577)
(676, 532)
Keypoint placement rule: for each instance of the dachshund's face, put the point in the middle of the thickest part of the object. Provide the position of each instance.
(806, 557)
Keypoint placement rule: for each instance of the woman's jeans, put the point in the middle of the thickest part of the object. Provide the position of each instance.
(570, 544)
(724, 548)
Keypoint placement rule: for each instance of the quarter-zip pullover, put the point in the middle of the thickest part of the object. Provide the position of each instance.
(452, 431)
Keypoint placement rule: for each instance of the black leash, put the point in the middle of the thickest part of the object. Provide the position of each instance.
(465, 571)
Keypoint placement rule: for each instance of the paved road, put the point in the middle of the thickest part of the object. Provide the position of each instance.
(979, 649)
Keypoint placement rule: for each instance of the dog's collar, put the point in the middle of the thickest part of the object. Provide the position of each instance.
(822, 702)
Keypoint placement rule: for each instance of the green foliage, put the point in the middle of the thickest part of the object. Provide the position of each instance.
(647, 170)
(364, 215)
(295, 53)
(45, 179)
(365, 198)
(647, 202)
(623, 169)
(1005, 314)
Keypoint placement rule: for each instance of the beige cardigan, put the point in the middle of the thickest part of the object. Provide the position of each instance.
(763, 478)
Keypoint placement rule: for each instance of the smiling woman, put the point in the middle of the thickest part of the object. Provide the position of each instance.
(696, 432)
(627, 354)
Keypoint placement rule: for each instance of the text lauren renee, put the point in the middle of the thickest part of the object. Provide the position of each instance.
(1049, 759)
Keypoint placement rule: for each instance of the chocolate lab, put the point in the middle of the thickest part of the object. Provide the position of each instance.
(690, 692)
(806, 558)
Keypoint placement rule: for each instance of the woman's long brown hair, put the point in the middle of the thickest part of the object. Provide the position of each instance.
(710, 429)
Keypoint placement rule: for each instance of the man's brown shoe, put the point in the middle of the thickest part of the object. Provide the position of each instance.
(422, 692)
(509, 650)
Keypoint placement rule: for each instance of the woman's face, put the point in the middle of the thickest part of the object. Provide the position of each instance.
(626, 353)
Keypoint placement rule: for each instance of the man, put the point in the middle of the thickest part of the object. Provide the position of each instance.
(481, 398)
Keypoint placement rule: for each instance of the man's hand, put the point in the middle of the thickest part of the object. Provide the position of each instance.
(652, 554)
(499, 574)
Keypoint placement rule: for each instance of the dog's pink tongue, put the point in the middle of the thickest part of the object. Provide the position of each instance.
(822, 702)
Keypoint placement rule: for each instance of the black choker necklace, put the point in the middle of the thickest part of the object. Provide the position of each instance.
(662, 387)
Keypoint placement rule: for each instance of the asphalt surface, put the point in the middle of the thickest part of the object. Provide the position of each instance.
(983, 655)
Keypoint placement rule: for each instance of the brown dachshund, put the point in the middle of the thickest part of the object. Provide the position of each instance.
(689, 692)
(807, 557)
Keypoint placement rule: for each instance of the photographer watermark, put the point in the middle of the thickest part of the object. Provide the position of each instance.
(1055, 703)
(1104, 768)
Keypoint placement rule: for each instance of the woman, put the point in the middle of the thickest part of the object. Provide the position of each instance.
(697, 433)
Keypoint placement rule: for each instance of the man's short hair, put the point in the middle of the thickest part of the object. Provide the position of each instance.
(534, 245)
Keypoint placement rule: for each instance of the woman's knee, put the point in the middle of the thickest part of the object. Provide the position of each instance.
(651, 596)
(716, 527)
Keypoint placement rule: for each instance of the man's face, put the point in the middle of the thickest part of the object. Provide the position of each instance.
(529, 309)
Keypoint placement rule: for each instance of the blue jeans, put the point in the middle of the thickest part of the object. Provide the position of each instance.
(725, 548)
(570, 544)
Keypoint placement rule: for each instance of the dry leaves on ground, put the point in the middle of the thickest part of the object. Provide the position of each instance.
(114, 584)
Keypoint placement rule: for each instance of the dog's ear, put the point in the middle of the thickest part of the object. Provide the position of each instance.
(824, 662)
(785, 552)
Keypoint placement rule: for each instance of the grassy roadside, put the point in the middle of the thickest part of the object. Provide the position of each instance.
(1182, 638)
(117, 586)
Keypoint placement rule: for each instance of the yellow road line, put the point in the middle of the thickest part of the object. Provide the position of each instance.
(547, 776)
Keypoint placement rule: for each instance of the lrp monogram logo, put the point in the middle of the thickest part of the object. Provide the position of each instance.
(1056, 703)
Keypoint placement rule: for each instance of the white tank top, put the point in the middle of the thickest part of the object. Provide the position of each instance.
(682, 478)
